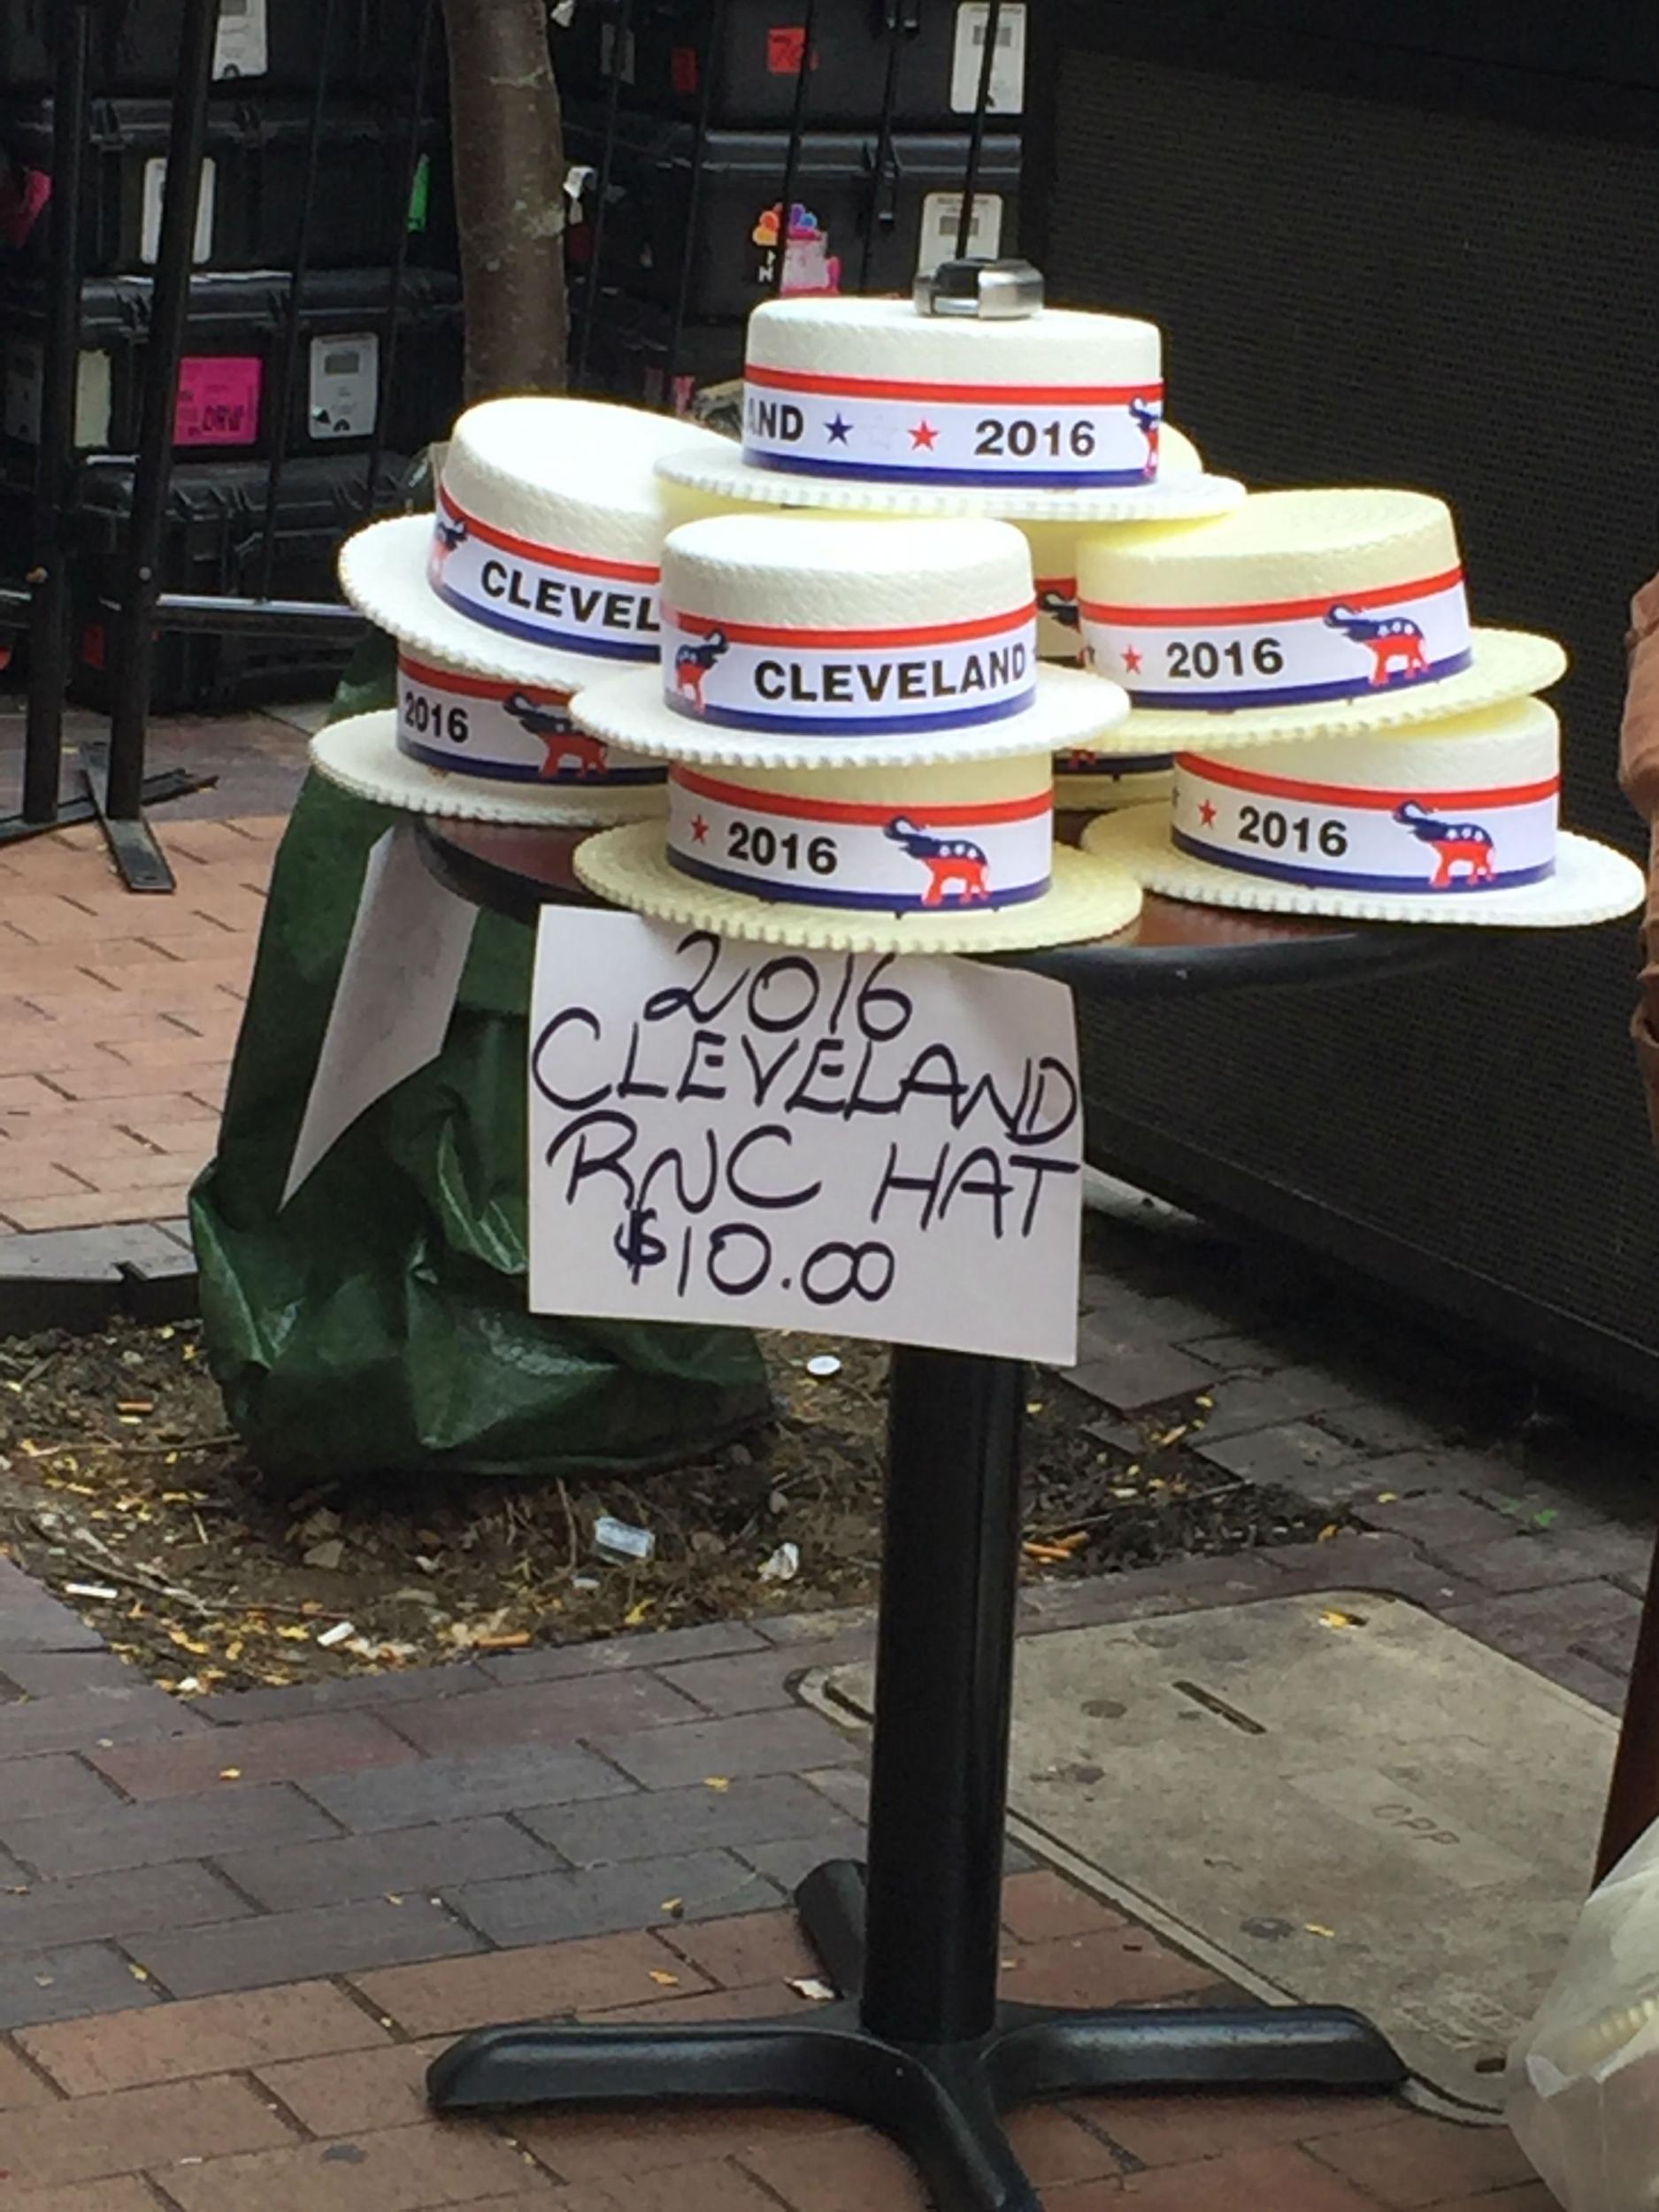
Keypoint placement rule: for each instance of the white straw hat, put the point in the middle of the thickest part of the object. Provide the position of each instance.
(1299, 614)
(955, 856)
(1444, 822)
(976, 400)
(539, 571)
(481, 749)
(541, 564)
(798, 642)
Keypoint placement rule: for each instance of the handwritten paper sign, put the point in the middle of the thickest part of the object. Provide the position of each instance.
(396, 993)
(861, 1145)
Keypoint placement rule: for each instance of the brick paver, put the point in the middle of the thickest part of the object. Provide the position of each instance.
(130, 2129)
(111, 1036)
(207, 2035)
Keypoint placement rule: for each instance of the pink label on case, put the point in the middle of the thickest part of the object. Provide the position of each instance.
(218, 400)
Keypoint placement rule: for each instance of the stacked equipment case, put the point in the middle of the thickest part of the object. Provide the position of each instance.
(724, 151)
(278, 372)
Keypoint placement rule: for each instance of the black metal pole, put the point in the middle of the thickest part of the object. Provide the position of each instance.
(287, 351)
(55, 458)
(153, 476)
(900, 22)
(944, 1693)
(388, 379)
(713, 64)
(577, 379)
(976, 139)
(797, 131)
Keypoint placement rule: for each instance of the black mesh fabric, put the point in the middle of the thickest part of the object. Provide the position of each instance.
(1354, 290)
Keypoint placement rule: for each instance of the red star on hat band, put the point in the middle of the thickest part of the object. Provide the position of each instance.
(925, 434)
(1131, 660)
(1206, 812)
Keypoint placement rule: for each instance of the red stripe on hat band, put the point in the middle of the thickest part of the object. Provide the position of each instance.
(549, 556)
(986, 395)
(1063, 586)
(849, 640)
(1275, 609)
(478, 687)
(1347, 795)
(845, 811)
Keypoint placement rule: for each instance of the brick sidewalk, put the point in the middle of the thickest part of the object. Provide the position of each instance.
(120, 1017)
(120, 1013)
(233, 1934)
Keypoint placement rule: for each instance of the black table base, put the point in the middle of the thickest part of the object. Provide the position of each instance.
(918, 2044)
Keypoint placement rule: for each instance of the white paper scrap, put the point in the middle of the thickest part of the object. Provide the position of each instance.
(856, 1144)
(396, 993)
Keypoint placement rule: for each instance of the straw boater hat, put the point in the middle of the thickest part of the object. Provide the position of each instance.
(538, 572)
(1453, 821)
(1086, 782)
(1299, 614)
(859, 737)
(973, 399)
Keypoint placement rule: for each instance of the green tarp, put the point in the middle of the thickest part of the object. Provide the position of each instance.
(378, 1322)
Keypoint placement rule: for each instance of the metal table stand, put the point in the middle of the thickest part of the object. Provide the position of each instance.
(919, 2044)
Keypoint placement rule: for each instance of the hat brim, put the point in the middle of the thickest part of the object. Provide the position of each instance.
(1507, 665)
(383, 573)
(1591, 883)
(361, 756)
(631, 867)
(727, 475)
(1069, 714)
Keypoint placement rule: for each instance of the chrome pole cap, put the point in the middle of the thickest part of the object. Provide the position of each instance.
(995, 291)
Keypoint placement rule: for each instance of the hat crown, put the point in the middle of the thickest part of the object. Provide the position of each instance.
(847, 629)
(790, 572)
(575, 474)
(1295, 598)
(1276, 545)
(888, 338)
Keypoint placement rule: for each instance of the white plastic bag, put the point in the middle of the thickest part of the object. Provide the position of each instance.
(1584, 2080)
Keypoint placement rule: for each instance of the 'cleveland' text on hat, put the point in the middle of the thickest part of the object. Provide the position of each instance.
(841, 683)
(575, 603)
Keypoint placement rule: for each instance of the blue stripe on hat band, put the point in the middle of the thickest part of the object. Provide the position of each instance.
(1297, 694)
(830, 729)
(1035, 480)
(1334, 879)
(864, 902)
(537, 633)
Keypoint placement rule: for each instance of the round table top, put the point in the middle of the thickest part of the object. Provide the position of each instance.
(517, 871)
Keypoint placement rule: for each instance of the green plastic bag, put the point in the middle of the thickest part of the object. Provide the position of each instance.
(378, 1323)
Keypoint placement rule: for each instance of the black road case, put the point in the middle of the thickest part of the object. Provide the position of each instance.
(668, 61)
(249, 213)
(274, 45)
(229, 397)
(855, 225)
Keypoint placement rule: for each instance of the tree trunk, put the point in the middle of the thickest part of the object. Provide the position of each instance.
(510, 188)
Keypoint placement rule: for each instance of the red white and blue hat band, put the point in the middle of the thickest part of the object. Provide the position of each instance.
(1040, 437)
(1450, 844)
(1295, 652)
(546, 594)
(849, 683)
(505, 732)
(839, 853)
